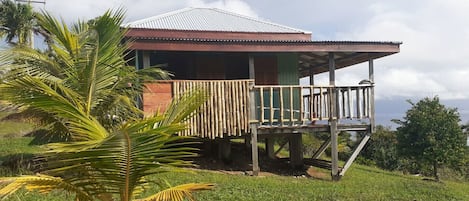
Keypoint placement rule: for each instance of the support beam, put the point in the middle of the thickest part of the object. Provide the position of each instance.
(253, 120)
(334, 151)
(269, 147)
(254, 151)
(333, 121)
(321, 149)
(224, 149)
(296, 150)
(372, 94)
(355, 154)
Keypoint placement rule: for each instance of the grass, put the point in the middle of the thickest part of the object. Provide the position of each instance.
(360, 183)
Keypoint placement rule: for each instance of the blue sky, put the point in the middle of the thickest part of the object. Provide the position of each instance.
(435, 35)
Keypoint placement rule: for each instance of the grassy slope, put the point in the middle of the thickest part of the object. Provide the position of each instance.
(360, 183)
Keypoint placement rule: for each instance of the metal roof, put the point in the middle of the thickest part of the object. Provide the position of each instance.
(210, 19)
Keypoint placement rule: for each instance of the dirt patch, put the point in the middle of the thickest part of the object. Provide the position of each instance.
(240, 163)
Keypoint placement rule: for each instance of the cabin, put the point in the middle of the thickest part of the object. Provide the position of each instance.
(251, 69)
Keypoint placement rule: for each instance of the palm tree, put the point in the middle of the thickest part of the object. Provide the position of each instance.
(88, 58)
(16, 22)
(74, 87)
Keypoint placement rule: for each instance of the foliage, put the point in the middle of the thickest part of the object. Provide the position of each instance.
(84, 61)
(381, 149)
(16, 22)
(430, 136)
(82, 77)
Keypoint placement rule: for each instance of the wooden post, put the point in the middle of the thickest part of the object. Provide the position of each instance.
(224, 149)
(296, 150)
(253, 120)
(372, 95)
(333, 121)
(269, 147)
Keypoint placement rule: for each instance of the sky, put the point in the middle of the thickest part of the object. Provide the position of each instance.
(435, 35)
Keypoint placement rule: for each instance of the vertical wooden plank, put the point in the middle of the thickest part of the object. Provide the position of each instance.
(271, 106)
(281, 109)
(291, 106)
(342, 98)
(252, 116)
(349, 103)
(302, 104)
(261, 95)
(365, 104)
(311, 103)
(321, 103)
(359, 116)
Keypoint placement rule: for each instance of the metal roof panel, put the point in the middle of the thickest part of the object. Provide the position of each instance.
(210, 19)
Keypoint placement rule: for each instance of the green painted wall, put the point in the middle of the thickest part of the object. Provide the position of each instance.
(287, 64)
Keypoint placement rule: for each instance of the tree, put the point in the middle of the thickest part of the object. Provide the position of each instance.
(382, 149)
(76, 85)
(88, 58)
(16, 22)
(430, 135)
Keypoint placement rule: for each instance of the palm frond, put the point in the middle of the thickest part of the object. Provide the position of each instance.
(179, 193)
(40, 183)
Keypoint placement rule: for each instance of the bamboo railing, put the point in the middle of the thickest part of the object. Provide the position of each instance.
(225, 113)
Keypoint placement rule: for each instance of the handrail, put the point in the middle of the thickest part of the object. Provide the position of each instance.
(282, 105)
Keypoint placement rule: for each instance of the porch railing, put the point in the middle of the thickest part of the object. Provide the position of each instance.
(227, 111)
(300, 105)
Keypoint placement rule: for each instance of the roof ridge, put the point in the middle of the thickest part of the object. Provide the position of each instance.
(160, 16)
(265, 21)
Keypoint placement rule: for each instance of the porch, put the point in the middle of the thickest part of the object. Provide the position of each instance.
(241, 109)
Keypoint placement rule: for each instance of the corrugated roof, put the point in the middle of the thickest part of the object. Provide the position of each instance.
(210, 19)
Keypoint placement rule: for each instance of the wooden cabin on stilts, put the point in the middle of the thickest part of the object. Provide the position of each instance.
(251, 70)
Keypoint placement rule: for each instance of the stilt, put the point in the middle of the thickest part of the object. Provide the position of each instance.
(296, 150)
(254, 151)
(334, 151)
(269, 147)
(224, 149)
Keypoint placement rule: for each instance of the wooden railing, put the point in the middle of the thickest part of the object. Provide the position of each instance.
(225, 113)
(234, 104)
(300, 105)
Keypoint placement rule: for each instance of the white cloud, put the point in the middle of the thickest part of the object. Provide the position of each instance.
(236, 6)
(432, 58)
(136, 9)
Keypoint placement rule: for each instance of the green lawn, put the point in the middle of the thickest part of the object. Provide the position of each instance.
(360, 183)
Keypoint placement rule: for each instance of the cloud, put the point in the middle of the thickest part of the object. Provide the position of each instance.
(432, 58)
(236, 6)
(136, 9)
